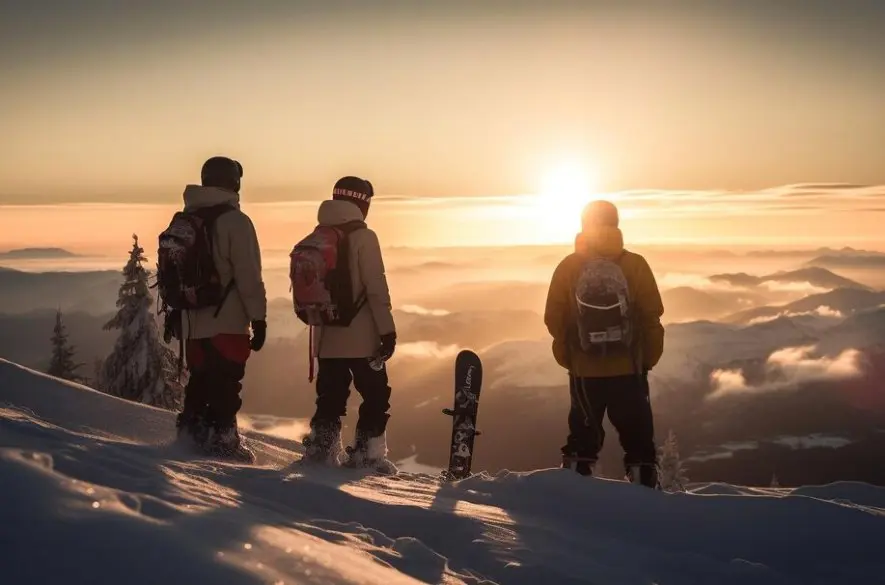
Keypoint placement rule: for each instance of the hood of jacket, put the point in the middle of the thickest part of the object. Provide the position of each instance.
(337, 212)
(604, 241)
(198, 196)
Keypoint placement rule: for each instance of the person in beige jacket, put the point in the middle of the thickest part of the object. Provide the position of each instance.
(358, 352)
(217, 339)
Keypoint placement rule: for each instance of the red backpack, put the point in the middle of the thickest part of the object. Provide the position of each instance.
(322, 287)
(319, 274)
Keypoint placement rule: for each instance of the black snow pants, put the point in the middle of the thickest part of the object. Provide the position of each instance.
(333, 389)
(626, 400)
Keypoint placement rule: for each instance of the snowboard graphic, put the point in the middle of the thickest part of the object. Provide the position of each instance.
(468, 384)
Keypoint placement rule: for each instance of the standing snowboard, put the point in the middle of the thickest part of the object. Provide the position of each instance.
(468, 384)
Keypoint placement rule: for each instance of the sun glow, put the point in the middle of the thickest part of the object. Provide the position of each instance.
(564, 191)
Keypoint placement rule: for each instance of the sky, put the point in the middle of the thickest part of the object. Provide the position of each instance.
(120, 102)
(800, 216)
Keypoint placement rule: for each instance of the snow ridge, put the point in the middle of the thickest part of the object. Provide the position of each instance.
(95, 484)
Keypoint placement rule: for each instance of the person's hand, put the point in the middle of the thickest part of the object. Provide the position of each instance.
(259, 334)
(388, 345)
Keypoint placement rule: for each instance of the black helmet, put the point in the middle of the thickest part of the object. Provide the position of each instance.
(223, 172)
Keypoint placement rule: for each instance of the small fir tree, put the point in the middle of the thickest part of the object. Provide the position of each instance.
(62, 364)
(673, 476)
(141, 367)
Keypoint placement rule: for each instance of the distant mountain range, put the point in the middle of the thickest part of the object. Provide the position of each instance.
(813, 275)
(526, 399)
(844, 301)
(37, 254)
(846, 251)
(93, 292)
(871, 260)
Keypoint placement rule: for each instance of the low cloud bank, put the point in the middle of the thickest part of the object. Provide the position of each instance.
(426, 349)
(822, 311)
(786, 369)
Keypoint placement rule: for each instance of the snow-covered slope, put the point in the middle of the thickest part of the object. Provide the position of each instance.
(92, 491)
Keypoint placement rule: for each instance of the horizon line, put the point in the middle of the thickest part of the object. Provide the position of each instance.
(140, 194)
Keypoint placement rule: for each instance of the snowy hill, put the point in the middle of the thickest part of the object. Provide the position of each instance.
(93, 491)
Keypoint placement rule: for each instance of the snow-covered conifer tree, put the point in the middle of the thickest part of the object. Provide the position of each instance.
(672, 476)
(62, 364)
(141, 367)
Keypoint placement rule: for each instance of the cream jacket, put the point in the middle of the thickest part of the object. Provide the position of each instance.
(237, 255)
(362, 337)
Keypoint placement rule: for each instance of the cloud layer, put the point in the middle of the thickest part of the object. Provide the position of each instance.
(800, 199)
(426, 349)
(786, 369)
(822, 311)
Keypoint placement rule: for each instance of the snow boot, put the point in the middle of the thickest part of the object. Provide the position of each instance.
(645, 474)
(323, 445)
(580, 465)
(369, 452)
(225, 441)
(192, 427)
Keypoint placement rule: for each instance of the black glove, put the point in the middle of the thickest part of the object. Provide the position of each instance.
(172, 326)
(388, 344)
(259, 334)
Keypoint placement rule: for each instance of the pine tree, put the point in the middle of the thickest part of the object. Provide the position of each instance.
(97, 369)
(672, 476)
(62, 364)
(141, 367)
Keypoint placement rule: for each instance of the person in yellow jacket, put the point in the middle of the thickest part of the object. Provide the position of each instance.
(604, 313)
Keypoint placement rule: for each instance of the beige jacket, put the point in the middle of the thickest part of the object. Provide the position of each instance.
(236, 255)
(362, 337)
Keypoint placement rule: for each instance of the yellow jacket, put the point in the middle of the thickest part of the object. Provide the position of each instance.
(559, 314)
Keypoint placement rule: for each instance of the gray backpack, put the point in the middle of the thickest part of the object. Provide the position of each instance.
(604, 307)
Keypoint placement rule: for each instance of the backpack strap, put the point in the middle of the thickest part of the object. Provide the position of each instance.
(348, 228)
(209, 215)
(636, 349)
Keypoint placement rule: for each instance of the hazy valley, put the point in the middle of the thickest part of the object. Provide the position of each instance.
(772, 364)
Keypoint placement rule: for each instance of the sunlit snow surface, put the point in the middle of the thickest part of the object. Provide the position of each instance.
(92, 490)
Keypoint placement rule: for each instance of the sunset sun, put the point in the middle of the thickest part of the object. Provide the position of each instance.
(564, 190)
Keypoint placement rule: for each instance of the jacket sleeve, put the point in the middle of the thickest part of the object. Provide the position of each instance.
(650, 307)
(556, 313)
(372, 274)
(245, 257)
